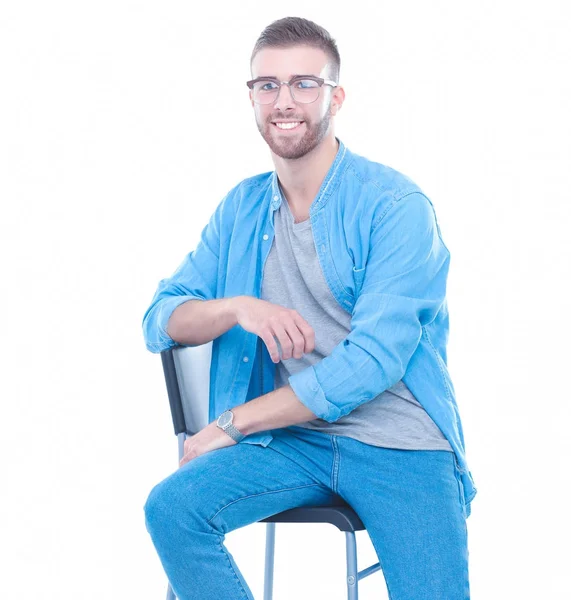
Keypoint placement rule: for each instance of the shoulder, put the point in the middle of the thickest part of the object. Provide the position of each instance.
(375, 188)
(256, 182)
(240, 195)
(248, 188)
(389, 191)
(379, 179)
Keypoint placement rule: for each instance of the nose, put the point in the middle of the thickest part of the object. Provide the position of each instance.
(285, 99)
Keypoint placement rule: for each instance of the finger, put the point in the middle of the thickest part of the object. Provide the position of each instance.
(271, 345)
(285, 341)
(297, 339)
(307, 332)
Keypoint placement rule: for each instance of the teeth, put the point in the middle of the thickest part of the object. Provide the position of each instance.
(288, 125)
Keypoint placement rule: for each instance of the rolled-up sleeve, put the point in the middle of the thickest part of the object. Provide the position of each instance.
(403, 289)
(195, 279)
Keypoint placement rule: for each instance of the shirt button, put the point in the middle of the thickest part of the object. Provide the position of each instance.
(276, 197)
(245, 359)
(266, 236)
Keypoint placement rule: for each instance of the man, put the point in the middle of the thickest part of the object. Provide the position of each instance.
(323, 286)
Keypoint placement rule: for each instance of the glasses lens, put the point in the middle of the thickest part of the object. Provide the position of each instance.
(265, 91)
(303, 90)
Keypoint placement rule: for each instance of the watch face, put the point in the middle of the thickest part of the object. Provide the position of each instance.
(225, 418)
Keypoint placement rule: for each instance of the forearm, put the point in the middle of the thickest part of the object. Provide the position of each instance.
(276, 409)
(198, 322)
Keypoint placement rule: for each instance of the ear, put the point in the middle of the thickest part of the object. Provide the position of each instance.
(337, 100)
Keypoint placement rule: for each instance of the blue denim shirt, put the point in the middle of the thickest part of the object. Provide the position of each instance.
(383, 257)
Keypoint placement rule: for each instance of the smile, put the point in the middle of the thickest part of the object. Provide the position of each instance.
(288, 126)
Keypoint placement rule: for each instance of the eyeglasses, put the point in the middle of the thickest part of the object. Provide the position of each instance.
(304, 89)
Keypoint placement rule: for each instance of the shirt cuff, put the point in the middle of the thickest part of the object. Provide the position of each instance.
(161, 340)
(309, 392)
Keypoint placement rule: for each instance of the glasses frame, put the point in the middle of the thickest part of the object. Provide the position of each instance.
(279, 83)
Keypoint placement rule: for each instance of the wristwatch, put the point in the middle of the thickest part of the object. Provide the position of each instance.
(224, 421)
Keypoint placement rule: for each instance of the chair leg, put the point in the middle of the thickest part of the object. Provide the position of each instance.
(352, 574)
(269, 565)
(170, 593)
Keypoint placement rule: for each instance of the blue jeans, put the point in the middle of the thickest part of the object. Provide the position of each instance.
(410, 502)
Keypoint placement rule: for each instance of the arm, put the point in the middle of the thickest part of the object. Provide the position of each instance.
(195, 279)
(403, 289)
(197, 322)
(279, 408)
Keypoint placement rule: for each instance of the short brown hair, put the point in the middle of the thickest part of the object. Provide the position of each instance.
(296, 31)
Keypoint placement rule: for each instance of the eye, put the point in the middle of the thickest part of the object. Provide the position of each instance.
(264, 86)
(306, 84)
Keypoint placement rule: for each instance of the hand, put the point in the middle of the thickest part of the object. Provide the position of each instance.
(207, 439)
(266, 320)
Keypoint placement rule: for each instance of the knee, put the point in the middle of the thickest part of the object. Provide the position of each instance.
(153, 508)
(173, 503)
(156, 507)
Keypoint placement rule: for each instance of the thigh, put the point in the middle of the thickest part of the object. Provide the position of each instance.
(234, 486)
(411, 504)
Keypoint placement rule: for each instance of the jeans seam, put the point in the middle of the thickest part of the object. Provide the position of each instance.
(220, 539)
(378, 553)
(335, 468)
(260, 494)
(459, 485)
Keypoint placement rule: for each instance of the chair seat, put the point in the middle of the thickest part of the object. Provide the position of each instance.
(343, 517)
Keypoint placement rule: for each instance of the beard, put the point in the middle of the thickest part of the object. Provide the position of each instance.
(297, 145)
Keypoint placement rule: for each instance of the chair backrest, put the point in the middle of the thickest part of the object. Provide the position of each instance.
(191, 391)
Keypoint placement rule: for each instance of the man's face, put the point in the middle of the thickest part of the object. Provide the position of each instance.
(283, 63)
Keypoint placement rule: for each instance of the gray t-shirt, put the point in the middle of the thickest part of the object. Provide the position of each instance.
(293, 278)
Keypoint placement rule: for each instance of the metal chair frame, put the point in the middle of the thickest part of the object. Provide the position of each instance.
(187, 421)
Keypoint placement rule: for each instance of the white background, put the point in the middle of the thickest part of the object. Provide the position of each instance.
(122, 126)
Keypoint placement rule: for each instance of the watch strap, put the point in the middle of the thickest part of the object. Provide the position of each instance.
(233, 432)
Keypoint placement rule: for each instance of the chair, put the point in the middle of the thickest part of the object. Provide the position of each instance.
(188, 390)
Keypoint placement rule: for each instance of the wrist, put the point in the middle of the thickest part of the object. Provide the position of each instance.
(226, 423)
(235, 307)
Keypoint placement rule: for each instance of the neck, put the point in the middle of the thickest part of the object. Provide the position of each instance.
(300, 179)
